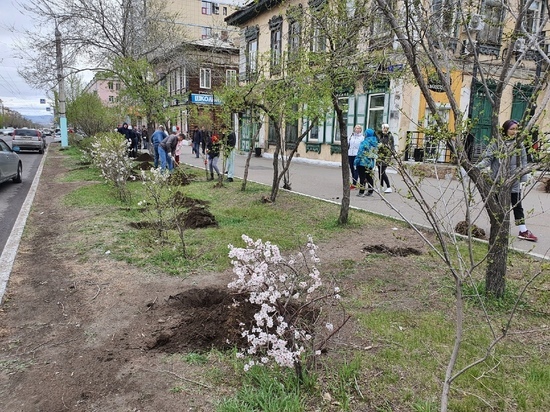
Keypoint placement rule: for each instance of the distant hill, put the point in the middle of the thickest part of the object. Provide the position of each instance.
(44, 120)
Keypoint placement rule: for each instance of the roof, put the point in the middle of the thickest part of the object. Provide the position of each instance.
(250, 11)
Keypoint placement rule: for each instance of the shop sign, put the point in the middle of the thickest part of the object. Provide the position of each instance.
(204, 99)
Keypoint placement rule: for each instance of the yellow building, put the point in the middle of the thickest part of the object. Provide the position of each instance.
(475, 50)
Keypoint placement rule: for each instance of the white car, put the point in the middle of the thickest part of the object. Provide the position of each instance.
(11, 166)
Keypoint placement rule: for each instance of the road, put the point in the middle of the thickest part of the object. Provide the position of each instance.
(12, 195)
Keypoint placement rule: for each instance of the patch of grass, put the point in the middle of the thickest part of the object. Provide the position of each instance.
(475, 292)
(402, 309)
(265, 391)
(342, 381)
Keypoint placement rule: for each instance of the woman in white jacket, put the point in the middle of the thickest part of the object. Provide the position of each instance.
(353, 146)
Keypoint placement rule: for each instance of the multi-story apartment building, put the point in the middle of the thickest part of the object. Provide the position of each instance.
(211, 61)
(267, 28)
(107, 89)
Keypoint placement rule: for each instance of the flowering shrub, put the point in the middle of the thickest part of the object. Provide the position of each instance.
(110, 153)
(290, 295)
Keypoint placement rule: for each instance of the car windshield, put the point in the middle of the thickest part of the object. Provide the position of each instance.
(25, 132)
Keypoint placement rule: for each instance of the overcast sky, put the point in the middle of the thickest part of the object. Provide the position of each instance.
(14, 91)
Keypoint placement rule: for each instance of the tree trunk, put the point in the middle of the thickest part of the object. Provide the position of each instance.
(497, 255)
(344, 206)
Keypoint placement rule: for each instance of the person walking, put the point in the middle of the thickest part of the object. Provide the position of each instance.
(156, 138)
(512, 152)
(197, 140)
(167, 151)
(386, 149)
(144, 137)
(231, 142)
(213, 152)
(353, 146)
(365, 161)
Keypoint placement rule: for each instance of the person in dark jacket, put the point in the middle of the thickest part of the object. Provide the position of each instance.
(213, 151)
(129, 135)
(231, 142)
(365, 161)
(386, 147)
(167, 151)
(512, 154)
(197, 140)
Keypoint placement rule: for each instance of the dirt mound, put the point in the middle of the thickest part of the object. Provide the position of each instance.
(198, 216)
(393, 251)
(200, 319)
(462, 229)
(144, 157)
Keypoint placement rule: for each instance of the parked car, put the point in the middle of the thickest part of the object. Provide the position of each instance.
(11, 166)
(6, 132)
(57, 137)
(29, 139)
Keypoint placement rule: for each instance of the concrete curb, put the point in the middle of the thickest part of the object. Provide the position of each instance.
(12, 245)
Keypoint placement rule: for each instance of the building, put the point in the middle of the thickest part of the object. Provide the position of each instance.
(206, 61)
(267, 29)
(106, 88)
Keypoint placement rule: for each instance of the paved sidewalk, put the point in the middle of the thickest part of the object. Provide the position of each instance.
(446, 197)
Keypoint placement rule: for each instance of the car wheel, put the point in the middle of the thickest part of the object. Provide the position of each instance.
(18, 179)
(41, 151)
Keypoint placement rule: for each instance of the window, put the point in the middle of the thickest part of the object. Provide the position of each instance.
(117, 86)
(225, 11)
(294, 33)
(443, 18)
(215, 8)
(375, 114)
(110, 85)
(231, 77)
(251, 53)
(183, 85)
(206, 32)
(206, 7)
(533, 17)
(380, 26)
(276, 27)
(318, 38)
(111, 99)
(206, 79)
(493, 13)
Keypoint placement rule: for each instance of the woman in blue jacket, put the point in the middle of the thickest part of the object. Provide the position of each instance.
(365, 161)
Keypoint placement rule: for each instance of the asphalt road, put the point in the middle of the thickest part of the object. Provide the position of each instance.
(12, 195)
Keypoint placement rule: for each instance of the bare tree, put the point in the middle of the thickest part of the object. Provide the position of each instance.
(435, 42)
(118, 37)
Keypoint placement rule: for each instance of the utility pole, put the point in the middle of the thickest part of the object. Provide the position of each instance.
(61, 82)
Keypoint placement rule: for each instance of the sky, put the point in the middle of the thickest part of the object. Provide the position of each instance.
(14, 91)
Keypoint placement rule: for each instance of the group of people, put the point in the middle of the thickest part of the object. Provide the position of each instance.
(167, 149)
(136, 138)
(367, 151)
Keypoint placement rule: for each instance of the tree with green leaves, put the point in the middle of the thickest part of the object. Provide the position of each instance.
(88, 114)
(280, 103)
